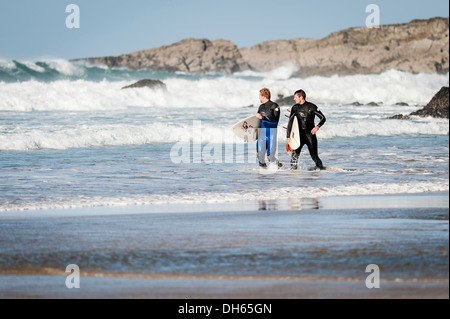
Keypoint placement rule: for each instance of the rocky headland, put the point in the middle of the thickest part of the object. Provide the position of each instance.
(417, 46)
(195, 56)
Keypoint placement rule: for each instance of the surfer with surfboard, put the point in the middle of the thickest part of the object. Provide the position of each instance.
(304, 113)
(269, 114)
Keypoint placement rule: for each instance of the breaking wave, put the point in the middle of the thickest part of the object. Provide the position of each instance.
(66, 86)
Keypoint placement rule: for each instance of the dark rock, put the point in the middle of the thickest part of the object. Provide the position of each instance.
(438, 106)
(355, 64)
(372, 104)
(289, 100)
(356, 103)
(401, 117)
(147, 83)
(401, 104)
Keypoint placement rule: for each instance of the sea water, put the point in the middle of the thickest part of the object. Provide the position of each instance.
(70, 137)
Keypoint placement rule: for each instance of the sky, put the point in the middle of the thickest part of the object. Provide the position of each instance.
(36, 29)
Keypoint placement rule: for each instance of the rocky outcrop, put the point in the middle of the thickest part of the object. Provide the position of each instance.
(289, 100)
(146, 83)
(190, 56)
(418, 46)
(400, 117)
(438, 107)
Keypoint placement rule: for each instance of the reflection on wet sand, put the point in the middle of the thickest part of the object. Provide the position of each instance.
(303, 203)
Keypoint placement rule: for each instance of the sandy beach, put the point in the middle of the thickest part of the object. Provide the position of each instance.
(131, 168)
(309, 248)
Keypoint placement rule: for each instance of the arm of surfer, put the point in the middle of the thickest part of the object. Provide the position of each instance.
(276, 114)
(322, 118)
(258, 116)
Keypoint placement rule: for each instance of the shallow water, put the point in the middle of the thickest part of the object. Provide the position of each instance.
(131, 157)
(70, 137)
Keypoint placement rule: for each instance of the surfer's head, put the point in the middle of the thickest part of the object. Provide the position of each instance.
(300, 93)
(264, 95)
(300, 97)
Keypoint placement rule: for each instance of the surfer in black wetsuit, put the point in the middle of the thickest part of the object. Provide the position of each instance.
(269, 114)
(306, 112)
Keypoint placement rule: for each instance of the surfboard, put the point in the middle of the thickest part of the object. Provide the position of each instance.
(248, 128)
(295, 134)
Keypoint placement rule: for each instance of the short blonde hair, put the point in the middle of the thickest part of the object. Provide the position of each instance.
(265, 92)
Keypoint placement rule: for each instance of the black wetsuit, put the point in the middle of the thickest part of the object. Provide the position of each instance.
(267, 141)
(306, 113)
(270, 112)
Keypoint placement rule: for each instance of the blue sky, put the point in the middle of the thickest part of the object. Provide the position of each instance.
(33, 29)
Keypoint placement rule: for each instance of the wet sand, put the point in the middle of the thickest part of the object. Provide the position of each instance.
(309, 248)
(41, 286)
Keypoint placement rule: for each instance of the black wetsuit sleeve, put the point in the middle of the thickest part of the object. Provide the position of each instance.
(270, 112)
(275, 113)
(261, 110)
(322, 118)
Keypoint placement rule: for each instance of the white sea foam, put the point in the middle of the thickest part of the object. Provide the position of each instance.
(233, 91)
(33, 66)
(188, 198)
(48, 136)
(65, 67)
(282, 73)
(384, 127)
(389, 88)
(7, 64)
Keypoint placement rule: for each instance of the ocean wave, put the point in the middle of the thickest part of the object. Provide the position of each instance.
(282, 73)
(120, 134)
(50, 70)
(62, 85)
(45, 70)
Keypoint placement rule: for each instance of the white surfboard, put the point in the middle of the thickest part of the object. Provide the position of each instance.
(295, 134)
(248, 128)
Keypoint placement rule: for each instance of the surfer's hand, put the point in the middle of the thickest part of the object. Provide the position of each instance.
(314, 130)
(258, 116)
(288, 140)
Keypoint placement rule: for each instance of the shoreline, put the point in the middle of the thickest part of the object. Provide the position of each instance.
(275, 249)
(30, 286)
(397, 200)
(93, 274)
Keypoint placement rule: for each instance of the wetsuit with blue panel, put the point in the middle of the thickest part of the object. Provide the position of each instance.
(267, 141)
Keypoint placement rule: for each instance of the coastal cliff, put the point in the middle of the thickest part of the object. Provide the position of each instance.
(417, 46)
(190, 55)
